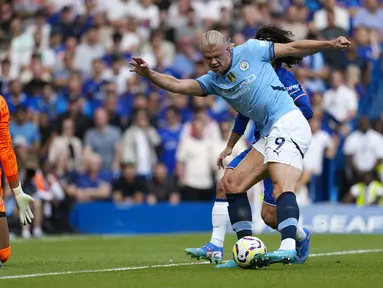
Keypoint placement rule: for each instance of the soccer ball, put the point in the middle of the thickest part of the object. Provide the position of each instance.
(246, 248)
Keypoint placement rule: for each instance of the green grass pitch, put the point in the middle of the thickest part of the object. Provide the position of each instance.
(160, 261)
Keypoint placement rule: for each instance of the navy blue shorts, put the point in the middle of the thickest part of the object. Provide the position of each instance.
(267, 183)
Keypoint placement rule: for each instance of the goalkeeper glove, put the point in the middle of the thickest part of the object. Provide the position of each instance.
(23, 200)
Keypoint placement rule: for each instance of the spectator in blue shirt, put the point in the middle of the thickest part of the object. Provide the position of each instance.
(93, 86)
(170, 136)
(16, 97)
(91, 185)
(21, 128)
(369, 16)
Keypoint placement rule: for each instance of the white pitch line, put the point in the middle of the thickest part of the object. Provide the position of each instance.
(350, 252)
(338, 253)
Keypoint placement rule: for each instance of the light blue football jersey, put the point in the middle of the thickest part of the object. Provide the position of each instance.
(251, 86)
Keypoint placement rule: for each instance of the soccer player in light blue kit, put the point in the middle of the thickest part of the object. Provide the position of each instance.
(244, 77)
(213, 251)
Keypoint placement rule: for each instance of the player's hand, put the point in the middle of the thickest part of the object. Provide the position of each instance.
(222, 156)
(140, 67)
(341, 43)
(23, 200)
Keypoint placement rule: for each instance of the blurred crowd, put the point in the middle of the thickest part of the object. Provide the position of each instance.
(87, 129)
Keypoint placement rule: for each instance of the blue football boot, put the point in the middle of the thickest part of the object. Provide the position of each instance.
(208, 252)
(229, 264)
(303, 248)
(254, 265)
(278, 256)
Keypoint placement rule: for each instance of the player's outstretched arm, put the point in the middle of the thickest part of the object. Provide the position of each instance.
(309, 47)
(167, 82)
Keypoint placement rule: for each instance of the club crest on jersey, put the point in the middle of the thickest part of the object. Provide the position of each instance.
(244, 65)
(231, 77)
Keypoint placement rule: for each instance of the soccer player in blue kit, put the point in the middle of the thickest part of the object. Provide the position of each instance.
(213, 251)
(245, 78)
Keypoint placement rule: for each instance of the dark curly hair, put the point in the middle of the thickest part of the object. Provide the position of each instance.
(277, 35)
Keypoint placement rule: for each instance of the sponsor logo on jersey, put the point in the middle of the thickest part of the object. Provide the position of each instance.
(241, 88)
(293, 88)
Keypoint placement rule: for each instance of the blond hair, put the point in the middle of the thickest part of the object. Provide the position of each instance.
(213, 38)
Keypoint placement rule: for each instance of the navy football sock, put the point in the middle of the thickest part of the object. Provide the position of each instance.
(240, 214)
(287, 218)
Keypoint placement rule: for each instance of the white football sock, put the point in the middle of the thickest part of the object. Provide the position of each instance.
(301, 235)
(220, 221)
(288, 244)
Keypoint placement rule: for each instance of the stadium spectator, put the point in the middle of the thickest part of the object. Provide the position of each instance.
(336, 59)
(170, 133)
(340, 102)
(6, 75)
(140, 143)
(67, 148)
(158, 51)
(191, 27)
(93, 85)
(362, 46)
(126, 39)
(24, 130)
(368, 191)
(369, 16)
(322, 145)
(363, 149)
(64, 69)
(48, 56)
(128, 188)
(210, 127)
(104, 139)
(162, 188)
(341, 15)
(178, 12)
(89, 50)
(91, 184)
(111, 106)
(34, 77)
(252, 20)
(21, 44)
(147, 14)
(291, 23)
(81, 121)
(118, 74)
(196, 164)
(50, 102)
(16, 97)
(40, 26)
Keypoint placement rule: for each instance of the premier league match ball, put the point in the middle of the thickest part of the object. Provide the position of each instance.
(246, 248)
